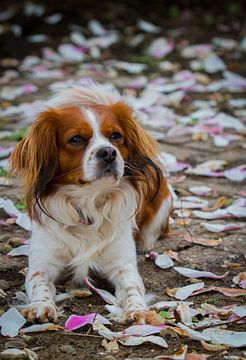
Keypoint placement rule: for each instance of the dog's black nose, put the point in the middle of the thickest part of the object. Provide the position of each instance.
(107, 154)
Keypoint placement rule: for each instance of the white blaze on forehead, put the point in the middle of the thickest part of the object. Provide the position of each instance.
(97, 137)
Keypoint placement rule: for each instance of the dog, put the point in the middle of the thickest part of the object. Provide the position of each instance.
(94, 187)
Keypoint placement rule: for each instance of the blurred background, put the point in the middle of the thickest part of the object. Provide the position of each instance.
(19, 20)
(182, 66)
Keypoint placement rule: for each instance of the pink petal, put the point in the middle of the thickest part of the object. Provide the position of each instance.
(76, 321)
(105, 295)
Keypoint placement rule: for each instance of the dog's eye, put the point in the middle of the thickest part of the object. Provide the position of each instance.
(77, 140)
(115, 136)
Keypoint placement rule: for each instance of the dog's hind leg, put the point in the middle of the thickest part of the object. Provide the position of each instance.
(156, 225)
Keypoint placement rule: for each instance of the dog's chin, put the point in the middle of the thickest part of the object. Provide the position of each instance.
(111, 176)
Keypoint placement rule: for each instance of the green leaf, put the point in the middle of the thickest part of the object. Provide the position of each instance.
(3, 172)
(194, 121)
(17, 135)
(20, 206)
(211, 301)
(228, 202)
(164, 314)
(173, 11)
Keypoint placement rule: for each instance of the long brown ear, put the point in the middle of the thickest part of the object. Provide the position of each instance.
(142, 164)
(35, 158)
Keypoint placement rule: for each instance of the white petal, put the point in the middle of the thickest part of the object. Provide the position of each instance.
(134, 341)
(226, 337)
(216, 228)
(193, 334)
(197, 273)
(186, 291)
(240, 310)
(11, 322)
(164, 261)
(220, 141)
(22, 250)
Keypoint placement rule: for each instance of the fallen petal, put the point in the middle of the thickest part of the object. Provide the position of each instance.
(11, 322)
(77, 321)
(220, 227)
(186, 291)
(240, 311)
(231, 292)
(164, 261)
(166, 305)
(134, 341)
(226, 337)
(22, 250)
(186, 313)
(143, 330)
(105, 295)
(193, 334)
(41, 327)
(200, 190)
(197, 273)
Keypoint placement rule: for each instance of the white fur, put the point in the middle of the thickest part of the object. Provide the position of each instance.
(151, 232)
(84, 96)
(63, 244)
(106, 246)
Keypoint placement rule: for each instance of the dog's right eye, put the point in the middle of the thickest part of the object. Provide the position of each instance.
(77, 140)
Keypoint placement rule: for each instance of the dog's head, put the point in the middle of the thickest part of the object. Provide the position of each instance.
(82, 136)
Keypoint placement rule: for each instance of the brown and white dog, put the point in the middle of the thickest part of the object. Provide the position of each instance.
(92, 183)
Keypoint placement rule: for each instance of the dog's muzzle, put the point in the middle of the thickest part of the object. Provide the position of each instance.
(107, 164)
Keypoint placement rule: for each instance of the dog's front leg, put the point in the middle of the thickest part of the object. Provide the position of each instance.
(41, 293)
(45, 264)
(119, 264)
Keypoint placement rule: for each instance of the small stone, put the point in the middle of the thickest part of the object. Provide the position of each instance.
(6, 248)
(4, 237)
(11, 221)
(109, 357)
(15, 241)
(17, 344)
(4, 284)
(69, 349)
(80, 293)
(2, 293)
(13, 354)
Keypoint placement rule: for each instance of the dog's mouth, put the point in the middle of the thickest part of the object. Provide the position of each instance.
(83, 219)
(109, 171)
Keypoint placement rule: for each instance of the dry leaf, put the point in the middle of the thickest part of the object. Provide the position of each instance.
(213, 347)
(221, 201)
(200, 241)
(110, 346)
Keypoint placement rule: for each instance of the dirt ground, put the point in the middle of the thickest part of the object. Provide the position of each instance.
(82, 344)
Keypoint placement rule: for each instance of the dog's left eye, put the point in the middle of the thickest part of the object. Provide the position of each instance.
(77, 140)
(115, 136)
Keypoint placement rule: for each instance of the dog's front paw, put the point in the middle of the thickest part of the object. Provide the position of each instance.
(42, 311)
(145, 317)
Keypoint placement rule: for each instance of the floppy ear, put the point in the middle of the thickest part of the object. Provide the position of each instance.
(141, 164)
(35, 158)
